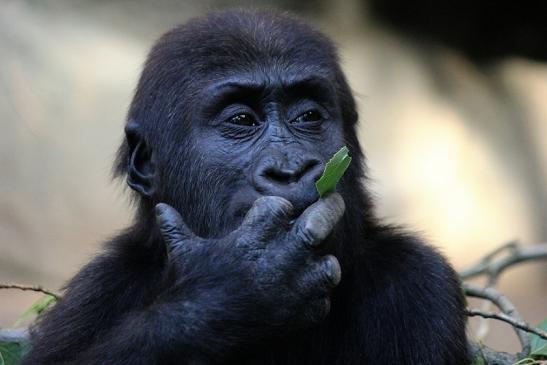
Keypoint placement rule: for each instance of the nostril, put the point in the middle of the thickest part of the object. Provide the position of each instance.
(310, 167)
(281, 176)
(288, 176)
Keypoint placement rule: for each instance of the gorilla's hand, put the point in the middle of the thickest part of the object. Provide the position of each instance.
(266, 273)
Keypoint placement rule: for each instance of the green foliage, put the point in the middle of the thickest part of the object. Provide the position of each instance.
(11, 353)
(334, 170)
(36, 309)
(539, 345)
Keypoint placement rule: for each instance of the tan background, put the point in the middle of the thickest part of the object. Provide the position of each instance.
(456, 151)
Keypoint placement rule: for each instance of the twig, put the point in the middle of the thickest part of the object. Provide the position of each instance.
(505, 305)
(484, 324)
(516, 253)
(493, 264)
(30, 288)
(14, 335)
(510, 320)
(491, 357)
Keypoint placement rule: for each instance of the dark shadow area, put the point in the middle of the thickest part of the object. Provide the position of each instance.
(484, 30)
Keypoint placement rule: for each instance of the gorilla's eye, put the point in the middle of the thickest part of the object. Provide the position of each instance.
(244, 120)
(309, 116)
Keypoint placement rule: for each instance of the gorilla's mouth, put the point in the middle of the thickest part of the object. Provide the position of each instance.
(242, 201)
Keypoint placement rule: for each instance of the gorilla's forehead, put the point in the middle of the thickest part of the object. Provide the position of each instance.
(258, 62)
(262, 73)
(236, 49)
(271, 82)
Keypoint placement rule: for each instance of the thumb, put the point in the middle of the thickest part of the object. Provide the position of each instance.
(319, 219)
(171, 224)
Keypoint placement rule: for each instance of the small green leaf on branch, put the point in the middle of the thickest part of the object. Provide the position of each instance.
(37, 308)
(11, 353)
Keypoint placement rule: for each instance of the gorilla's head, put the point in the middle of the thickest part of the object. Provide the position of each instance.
(230, 107)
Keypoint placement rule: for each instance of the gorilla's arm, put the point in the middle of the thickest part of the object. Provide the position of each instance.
(214, 295)
(411, 304)
(93, 302)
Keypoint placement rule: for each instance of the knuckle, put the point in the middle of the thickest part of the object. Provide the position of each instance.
(327, 218)
(335, 207)
(313, 231)
(261, 201)
(278, 206)
(268, 207)
(306, 235)
(170, 230)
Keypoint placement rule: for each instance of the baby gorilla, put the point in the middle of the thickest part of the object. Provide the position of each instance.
(232, 257)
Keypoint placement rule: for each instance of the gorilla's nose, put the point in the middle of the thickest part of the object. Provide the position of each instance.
(289, 175)
(291, 178)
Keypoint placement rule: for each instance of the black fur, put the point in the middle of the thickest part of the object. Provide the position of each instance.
(398, 302)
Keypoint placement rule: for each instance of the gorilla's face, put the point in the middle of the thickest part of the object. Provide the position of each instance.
(255, 134)
(232, 108)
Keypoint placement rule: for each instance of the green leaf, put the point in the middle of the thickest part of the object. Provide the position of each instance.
(334, 170)
(11, 353)
(36, 309)
(538, 346)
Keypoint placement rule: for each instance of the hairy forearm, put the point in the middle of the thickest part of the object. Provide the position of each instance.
(199, 330)
(157, 335)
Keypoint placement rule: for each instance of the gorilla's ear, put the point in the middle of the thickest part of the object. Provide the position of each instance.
(140, 170)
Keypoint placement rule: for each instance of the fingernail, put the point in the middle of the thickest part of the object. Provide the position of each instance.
(333, 270)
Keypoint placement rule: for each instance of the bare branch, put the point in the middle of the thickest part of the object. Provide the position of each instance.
(30, 288)
(14, 335)
(491, 357)
(510, 320)
(516, 253)
(505, 305)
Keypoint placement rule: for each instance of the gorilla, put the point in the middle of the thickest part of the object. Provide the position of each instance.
(232, 257)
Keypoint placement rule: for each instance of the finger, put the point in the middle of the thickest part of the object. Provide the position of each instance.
(268, 215)
(321, 277)
(318, 220)
(317, 310)
(171, 224)
(316, 284)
